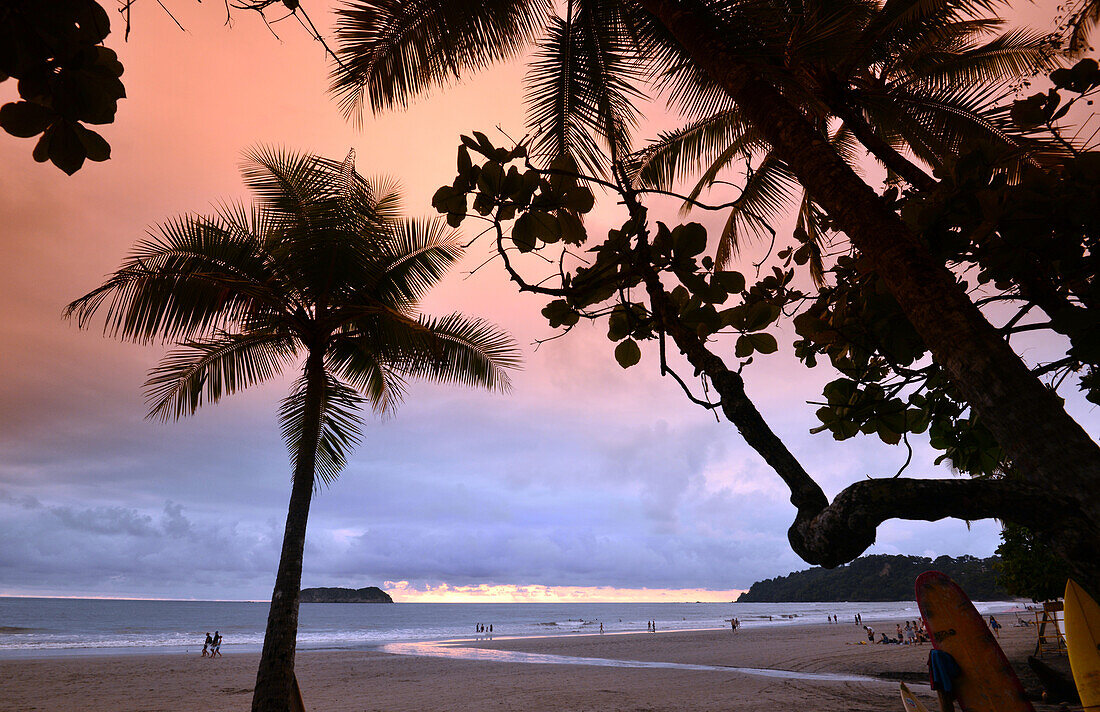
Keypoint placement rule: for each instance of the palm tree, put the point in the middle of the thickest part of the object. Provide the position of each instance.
(894, 78)
(321, 275)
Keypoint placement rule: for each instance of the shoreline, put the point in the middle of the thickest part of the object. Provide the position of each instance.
(678, 671)
(253, 642)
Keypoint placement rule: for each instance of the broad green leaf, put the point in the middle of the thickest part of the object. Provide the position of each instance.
(25, 119)
(764, 343)
(732, 282)
(95, 145)
(572, 229)
(627, 353)
(689, 240)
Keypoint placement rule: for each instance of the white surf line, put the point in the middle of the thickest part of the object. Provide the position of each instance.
(456, 651)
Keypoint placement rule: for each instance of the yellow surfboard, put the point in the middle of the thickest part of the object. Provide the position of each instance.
(1083, 642)
(912, 704)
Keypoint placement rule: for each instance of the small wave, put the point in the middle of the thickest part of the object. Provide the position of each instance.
(16, 630)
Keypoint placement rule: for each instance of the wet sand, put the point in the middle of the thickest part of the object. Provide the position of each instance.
(362, 681)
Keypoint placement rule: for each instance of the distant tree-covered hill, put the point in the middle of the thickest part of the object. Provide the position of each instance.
(880, 577)
(370, 594)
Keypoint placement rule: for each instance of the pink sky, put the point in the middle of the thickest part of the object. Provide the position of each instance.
(586, 478)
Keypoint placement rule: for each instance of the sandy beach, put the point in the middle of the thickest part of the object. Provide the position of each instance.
(364, 681)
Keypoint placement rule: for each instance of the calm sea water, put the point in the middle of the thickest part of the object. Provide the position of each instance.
(36, 627)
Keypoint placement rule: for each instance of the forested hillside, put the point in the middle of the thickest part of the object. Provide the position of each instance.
(880, 577)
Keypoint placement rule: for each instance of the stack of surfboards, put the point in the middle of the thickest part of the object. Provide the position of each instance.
(988, 683)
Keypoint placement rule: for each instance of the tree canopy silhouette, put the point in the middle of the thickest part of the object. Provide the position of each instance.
(392, 51)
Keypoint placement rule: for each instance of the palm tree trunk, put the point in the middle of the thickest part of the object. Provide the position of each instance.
(275, 677)
(1049, 449)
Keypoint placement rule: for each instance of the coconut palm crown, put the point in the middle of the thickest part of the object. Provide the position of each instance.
(907, 80)
(903, 79)
(320, 275)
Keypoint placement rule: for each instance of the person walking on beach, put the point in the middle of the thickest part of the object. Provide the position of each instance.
(206, 645)
(216, 646)
(995, 626)
(601, 628)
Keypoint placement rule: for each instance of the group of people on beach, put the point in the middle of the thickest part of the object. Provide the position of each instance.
(485, 630)
(212, 648)
(651, 626)
(914, 633)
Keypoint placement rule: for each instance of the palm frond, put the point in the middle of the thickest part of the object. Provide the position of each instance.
(212, 368)
(559, 108)
(1012, 55)
(420, 253)
(676, 154)
(464, 350)
(341, 424)
(900, 22)
(392, 50)
(361, 367)
(757, 30)
(845, 143)
(196, 275)
(288, 182)
(766, 195)
(935, 122)
(581, 88)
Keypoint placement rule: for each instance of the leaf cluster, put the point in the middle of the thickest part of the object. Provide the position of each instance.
(1041, 109)
(1028, 566)
(536, 210)
(66, 78)
(1028, 248)
(1031, 244)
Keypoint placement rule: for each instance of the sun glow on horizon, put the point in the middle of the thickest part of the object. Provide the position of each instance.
(404, 592)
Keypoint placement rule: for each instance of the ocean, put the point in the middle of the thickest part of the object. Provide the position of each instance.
(41, 627)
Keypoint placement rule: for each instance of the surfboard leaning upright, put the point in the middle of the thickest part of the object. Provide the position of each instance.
(987, 683)
(1083, 643)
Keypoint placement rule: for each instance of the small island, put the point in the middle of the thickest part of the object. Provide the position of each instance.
(370, 594)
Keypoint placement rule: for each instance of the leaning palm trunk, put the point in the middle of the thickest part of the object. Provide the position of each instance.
(1047, 446)
(275, 677)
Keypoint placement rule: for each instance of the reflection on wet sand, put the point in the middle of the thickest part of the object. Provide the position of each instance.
(457, 650)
